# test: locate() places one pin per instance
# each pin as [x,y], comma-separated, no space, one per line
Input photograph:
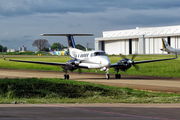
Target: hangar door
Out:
[124,47]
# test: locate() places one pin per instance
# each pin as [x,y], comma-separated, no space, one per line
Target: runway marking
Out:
[100,112]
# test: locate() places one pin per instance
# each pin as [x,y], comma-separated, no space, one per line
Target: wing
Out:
[63,65]
[146,61]
[37,62]
[121,65]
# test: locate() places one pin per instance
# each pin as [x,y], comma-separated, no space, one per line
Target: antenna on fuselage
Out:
[70,38]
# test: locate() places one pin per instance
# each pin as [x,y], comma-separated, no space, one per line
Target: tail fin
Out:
[71,42]
[165,44]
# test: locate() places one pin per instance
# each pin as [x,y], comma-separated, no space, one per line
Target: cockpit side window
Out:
[100,54]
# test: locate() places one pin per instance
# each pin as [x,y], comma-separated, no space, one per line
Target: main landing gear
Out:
[66,76]
[117,76]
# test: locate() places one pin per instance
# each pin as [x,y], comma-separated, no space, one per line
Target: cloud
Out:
[24,20]
[12,8]
[27,36]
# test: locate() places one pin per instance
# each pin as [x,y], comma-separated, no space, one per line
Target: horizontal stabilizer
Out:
[67,34]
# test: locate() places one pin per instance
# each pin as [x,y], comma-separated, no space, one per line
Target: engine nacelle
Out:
[126,64]
[69,67]
[76,62]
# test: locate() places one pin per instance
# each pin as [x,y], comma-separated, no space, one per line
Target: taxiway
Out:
[90,111]
[162,84]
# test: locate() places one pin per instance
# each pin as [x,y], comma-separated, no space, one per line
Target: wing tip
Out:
[176,55]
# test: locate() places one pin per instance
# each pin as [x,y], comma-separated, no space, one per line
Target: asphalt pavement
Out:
[90,111]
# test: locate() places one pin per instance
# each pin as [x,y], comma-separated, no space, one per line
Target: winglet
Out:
[176,55]
[4,57]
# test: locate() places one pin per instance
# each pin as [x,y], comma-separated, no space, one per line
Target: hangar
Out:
[139,40]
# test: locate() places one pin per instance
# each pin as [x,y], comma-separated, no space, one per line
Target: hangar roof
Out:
[140,32]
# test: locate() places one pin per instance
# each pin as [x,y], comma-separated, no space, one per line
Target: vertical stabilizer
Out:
[71,41]
[167,47]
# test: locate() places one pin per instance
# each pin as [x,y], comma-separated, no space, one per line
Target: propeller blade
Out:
[136,66]
[79,71]
[123,56]
[134,55]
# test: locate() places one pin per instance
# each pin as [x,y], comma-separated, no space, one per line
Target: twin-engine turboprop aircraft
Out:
[90,59]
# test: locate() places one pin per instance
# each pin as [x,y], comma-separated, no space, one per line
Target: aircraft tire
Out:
[116,76]
[67,77]
[119,76]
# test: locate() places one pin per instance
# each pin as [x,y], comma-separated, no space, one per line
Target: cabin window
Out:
[91,54]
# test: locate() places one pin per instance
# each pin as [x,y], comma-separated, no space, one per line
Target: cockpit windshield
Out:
[100,54]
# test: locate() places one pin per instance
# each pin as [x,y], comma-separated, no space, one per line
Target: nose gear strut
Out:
[107,73]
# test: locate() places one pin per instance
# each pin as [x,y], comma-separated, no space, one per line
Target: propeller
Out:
[130,61]
[79,71]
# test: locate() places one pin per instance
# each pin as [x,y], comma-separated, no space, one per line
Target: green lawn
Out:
[44,90]
[170,68]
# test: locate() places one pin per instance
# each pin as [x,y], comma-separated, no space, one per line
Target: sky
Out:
[22,21]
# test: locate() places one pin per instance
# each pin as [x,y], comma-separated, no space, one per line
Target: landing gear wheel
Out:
[67,77]
[118,76]
[107,76]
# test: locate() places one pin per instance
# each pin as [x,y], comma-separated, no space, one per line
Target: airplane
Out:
[90,59]
[168,48]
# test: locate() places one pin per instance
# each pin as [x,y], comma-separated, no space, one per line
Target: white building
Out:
[22,49]
[11,50]
[139,40]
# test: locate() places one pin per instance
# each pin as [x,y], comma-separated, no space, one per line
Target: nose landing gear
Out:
[107,74]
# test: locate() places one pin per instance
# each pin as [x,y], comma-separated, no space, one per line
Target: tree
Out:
[4,49]
[1,48]
[78,46]
[57,46]
[46,49]
[40,44]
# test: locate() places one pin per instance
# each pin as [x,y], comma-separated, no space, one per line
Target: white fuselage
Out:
[172,50]
[93,59]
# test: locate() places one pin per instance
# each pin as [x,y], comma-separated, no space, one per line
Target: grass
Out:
[44,90]
[170,68]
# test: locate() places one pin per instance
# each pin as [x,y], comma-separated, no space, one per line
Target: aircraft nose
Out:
[107,62]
